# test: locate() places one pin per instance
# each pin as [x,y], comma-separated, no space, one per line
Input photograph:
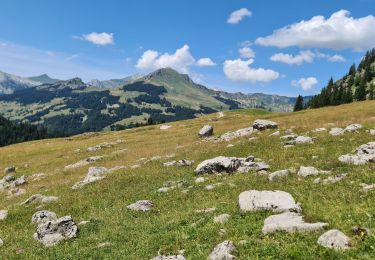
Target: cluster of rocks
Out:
[364,154]
[236,134]
[82,163]
[12,184]
[104,145]
[230,165]
[293,139]
[349,129]
[51,229]
[178,163]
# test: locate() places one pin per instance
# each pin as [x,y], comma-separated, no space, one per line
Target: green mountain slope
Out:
[44,79]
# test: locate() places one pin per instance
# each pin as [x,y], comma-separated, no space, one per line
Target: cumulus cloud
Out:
[181,60]
[303,56]
[98,38]
[205,62]
[305,83]
[240,70]
[246,53]
[238,15]
[339,31]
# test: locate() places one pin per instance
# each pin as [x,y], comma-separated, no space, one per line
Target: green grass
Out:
[168,227]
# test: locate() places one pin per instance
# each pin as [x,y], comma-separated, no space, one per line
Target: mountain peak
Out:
[44,79]
[168,74]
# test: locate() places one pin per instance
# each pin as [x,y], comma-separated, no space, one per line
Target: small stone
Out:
[372,132]
[230,145]
[221,219]
[11,169]
[199,180]
[334,239]
[360,231]
[1,242]
[318,130]
[278,174]
[43,216]
[83,222]
[206,131]
[307,171]
[336,131]
[170,257]
[367,188]
[104,244]
[3,214]
[141,205]
[223,251]
[207,210]
[39,198]
[165,127]
[277,133]
[353,128]
[334,179]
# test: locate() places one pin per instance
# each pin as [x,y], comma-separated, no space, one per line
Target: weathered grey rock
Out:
[42,216]
[299,140]
[39,198]
[11,169]
[277,133]
[3,214]
[307,171]
[213,186]
[334,179]
[236,134]
[353,128]
[289,137]
[82,163]
[278,174]
[180,163]
[221,219]
[170,257]
[364,154]
[38,176]
[372,132]
[261,166]
[367,188]
[94,174]
[289,222]
[334,239]
[277,201]
[206,131]
[261,124]
[336,131]
[218,165]
[318,130]
[207,210]
[141,205]
[165,127]
[14,192]
[101,146]
[223,251]
[20,181]
[50,233]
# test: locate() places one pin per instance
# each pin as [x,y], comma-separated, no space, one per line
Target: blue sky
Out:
[284,47]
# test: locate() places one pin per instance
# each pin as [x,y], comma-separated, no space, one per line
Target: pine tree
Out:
[371,92]
[352,70]
[299,104]
[360,92]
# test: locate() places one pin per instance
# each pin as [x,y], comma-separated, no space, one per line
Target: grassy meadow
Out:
[173,224]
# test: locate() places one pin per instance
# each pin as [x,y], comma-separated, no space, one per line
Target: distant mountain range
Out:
[72,106]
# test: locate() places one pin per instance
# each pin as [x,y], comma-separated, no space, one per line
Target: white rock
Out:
[334,179]
[318,130]
[261,124]
[43,216]
[353,128]
[39,198]
[372,132]
[3,214]
[278,174]
[94,174]
[165,127]
[206,131]
[304,139]
[289,222]
[367,188]
[223,251]
[170,257]
[221,219]
[307,171]
[199,180]
[334,239]
[141,205]
[1,242]
[336,131]
[218,164]
[364,154]
[277,201]
[236,134]
[207,210]
[277,133]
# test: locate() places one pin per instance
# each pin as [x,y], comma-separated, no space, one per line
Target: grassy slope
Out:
[169,226]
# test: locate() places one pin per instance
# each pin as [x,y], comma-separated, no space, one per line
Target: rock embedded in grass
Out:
[276,201]
[223,251]
[11,169]
[206,131]
[261,124]
[50,233]
[367,187]
[42,216]
[39,198]
[334,179]
[221,219]
[306,171]
[299,140]
[334,239]
[141,205]
[278,174]
[353,128]
[180,163]
[170,257]
[318,130]
[82,163]
[336,131]
[289,222]
[165,127]
[199,180]
[3,214]
[364,154]
[236,134]
[94,174]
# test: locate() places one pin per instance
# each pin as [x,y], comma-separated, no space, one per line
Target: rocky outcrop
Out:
[364,154]
[261,124]
[276,201]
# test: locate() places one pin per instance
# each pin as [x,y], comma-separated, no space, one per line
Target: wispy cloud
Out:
[100,39]
[237,16]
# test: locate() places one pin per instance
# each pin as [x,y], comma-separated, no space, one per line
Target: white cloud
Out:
[238,15]
[205,62]
[181,60]
[339,31]
[98,38]
[240,70]
[246,53]
[303,56]
[305,83]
